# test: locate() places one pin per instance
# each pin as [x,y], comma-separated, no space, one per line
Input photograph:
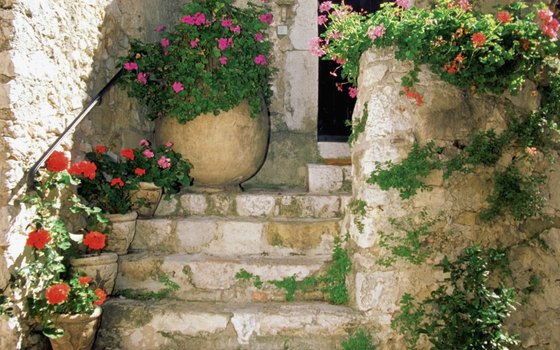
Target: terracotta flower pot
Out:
[146,199]
[224,150]
[102,268]
[122,232]
[79,331]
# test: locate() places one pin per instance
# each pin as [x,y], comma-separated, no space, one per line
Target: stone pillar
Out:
[447,116]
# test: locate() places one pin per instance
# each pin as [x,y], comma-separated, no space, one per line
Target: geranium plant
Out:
[481,52]
[62,225]
[160,165]
[215,57]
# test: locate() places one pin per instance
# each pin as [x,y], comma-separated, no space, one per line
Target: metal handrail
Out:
[96,101]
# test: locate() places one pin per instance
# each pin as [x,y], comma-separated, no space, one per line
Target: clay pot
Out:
[123,228]
[146,199]
[102,268]
[224,150]
[79,331]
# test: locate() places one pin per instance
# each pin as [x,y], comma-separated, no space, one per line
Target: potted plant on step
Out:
[155,170]
[201,83]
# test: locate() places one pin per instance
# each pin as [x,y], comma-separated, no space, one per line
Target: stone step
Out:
[211,278]
[176,324]
[323,178]
[255,204]
[236,236]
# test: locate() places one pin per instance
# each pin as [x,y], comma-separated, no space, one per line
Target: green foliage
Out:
[170,288]
[464,312]
[485,148]
[406,177]
[194,59]
[291,285]
[444,37]
[359,340]
[514,193]
[409,242]
[334,280]
[332,283]
[358,207]
[358,127]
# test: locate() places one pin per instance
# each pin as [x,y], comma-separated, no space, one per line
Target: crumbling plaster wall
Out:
[447,115]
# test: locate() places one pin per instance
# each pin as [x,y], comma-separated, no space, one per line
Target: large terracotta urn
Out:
[224,150]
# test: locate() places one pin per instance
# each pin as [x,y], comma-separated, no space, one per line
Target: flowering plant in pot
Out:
[215,57]
[161,166]
[44,285]
[201,83]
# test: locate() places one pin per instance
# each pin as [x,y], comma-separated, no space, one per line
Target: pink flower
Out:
[236,29]
[503,17]
[164,42]
[142,77]
[128,66]
[228,22]
[376,32]
[148,153]
[223,60]
[260,59]
[164,162]
[405,4]
[259,37]
[465,5]
[160,28]
[223,43]
[549,24]
[325,6]
[316,48]
[478,39]
[169,144]
[177,87]
[353,92]
[266,18]
[322,19]
[194,43]
[188,20]
[144,143]
[532,151]
[199,18]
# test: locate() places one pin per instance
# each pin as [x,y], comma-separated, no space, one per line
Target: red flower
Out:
[413,95]
[139,171]
[95,240]
[101,295]
[38,239]
[57,293]
[478,39]
[504,16]
[57,162]
[128,153]
[100,149]
[84,280]
[117,181]
[84,168]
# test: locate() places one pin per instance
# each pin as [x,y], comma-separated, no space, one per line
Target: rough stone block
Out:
[194,204]
[251,205]
[325,178]
[239,237]
[196,233]
[376,291]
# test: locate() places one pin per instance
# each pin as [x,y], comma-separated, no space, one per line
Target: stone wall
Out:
[55,56]
[447,116]
[293,111]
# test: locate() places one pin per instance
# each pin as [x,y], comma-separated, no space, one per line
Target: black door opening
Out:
[335,107]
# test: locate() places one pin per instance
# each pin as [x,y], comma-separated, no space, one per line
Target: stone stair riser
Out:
[255,205]
[202,278]
[223,236]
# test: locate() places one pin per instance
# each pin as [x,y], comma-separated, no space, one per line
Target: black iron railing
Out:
[96,101]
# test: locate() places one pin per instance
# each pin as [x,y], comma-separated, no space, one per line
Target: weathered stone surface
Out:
[327,178]
[205,326]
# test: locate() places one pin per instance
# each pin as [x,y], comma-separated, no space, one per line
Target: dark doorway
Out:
[335,107]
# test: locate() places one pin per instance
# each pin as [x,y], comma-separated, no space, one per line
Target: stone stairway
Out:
[197,243]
